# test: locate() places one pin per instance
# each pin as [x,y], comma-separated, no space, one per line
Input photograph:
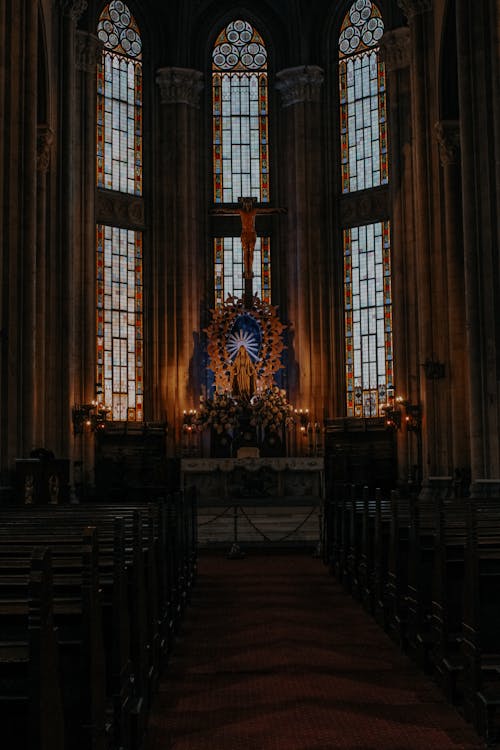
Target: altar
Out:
[255,501]
[262,477]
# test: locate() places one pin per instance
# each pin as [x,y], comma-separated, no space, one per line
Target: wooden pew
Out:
[345,536]
[356,509]
[157,560]
[481,619]
[77,616]
[421,550]
[366,567]
[106,617]
[447,600]
[341,531]
[31,711]
[397,577]
[381,547]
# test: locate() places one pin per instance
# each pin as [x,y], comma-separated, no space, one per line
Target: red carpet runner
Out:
[273,655]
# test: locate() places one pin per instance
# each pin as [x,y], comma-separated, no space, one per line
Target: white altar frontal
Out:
[257,501]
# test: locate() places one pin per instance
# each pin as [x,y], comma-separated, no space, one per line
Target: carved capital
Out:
[73,9]
[412,8]
[302,84]
[44,141]
[395,48]
[180,86]
[119,209]
[88,51]
[447,134]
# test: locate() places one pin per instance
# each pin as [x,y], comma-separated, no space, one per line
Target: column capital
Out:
[44,140]
[73,9]
[447,133]
[395,48]
[413,8]
[180,86]
[301,84]
[88,51]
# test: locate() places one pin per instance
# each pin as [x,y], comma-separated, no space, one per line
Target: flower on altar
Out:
[221,413]
[271,410]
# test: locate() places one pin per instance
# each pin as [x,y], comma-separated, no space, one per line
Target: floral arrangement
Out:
[271,410]
[221,412]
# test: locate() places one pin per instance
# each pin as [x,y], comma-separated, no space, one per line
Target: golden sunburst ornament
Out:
[247,339]
[257,328]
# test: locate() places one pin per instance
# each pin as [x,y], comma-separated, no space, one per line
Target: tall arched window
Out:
[119,249]
[240,149]
[367,254]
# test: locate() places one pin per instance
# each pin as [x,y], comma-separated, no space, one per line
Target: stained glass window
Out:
[240,115]
[119,250]
[368,319]
[120,322]
[229,269]
[362,84]
[240,149]
[119,101]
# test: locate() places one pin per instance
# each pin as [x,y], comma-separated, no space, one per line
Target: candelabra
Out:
[189,431]
[92,416]
[413,414]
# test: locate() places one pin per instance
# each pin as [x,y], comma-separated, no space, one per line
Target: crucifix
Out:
[248,210]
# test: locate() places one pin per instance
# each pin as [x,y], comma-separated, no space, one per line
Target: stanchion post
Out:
[235,553]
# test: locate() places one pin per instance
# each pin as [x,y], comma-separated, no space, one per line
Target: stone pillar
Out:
[18,178]
[69,355]
[448,137]
[181,254]
[27,247]
[306,302]
[88,51]
[395,52]
[428,338]
[45,139]
[478,75]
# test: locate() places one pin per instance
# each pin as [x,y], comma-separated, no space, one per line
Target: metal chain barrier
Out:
[281,539]
[215,518]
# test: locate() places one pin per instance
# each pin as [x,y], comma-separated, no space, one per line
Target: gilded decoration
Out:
[258,330]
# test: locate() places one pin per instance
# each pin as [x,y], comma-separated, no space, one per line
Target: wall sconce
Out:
[413,417]
[189,420]
[434,370]
[91,416]
[393,417]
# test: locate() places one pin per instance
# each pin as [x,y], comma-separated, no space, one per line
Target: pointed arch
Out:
[363,110]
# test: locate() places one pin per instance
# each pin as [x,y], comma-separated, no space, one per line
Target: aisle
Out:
[273,655]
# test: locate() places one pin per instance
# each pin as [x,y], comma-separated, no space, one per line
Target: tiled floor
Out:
[273,655]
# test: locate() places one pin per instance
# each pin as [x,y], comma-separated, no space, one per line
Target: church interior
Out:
[250,367]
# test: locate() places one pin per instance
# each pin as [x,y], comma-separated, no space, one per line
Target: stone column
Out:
[45,139]
[306,300]
[395,52]
[28,212]
[180,262]
[68,345]
[88,51]
[477,54]
[448,137]
[424,391]
[18,178]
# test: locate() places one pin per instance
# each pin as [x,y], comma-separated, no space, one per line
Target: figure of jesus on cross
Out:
[247,211]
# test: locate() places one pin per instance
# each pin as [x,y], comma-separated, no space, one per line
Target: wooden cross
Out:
[247,211]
